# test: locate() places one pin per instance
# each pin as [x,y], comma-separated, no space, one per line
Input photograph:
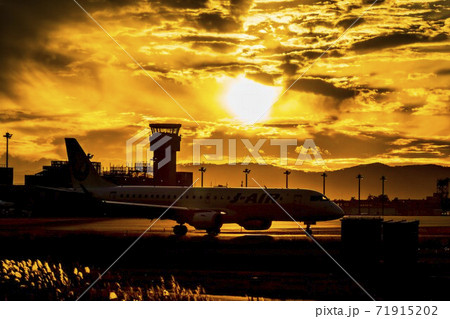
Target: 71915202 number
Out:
[407,310]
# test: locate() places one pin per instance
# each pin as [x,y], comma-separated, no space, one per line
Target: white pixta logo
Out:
[139,148]
[306,150]
[156,142]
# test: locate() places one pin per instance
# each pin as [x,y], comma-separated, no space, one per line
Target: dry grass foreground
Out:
[37,280]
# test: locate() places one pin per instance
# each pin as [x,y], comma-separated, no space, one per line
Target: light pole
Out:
[287,173]
[246,171]
[383,179]
[202,170]
[8,137]
[324,175]
[359,177]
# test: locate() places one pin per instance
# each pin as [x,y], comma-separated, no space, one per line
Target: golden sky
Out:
[379,94]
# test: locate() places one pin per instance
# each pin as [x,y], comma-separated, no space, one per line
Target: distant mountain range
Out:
[412,181]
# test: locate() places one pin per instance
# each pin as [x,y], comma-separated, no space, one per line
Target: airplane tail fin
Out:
[82,171]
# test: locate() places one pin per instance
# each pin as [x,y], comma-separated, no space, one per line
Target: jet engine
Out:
[206,220]
[256,224]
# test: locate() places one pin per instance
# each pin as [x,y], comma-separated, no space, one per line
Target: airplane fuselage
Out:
[236,204]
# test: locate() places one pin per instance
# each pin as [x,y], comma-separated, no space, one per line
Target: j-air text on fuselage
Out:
[204,208]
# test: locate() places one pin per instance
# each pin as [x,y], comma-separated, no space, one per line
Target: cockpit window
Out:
[317,198]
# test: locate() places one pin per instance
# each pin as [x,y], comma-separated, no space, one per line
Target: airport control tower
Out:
[165,143]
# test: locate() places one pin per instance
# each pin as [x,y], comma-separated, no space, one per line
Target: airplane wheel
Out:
[180,230]
[309,230]
[213,231]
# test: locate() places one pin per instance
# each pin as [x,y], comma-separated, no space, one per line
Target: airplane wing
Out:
[145,210]
[60,189]
[146,205]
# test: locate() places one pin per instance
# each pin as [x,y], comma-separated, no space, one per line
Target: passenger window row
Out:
[164,196]
[148,196]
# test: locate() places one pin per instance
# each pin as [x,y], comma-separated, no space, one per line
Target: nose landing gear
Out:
[308,229]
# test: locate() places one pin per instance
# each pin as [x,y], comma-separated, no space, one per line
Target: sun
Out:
[248,100]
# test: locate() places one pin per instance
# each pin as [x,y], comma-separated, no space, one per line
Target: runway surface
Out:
[280,263]
[121,226]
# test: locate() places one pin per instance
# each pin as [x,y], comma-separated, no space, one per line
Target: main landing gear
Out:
[213,231]
[180,230]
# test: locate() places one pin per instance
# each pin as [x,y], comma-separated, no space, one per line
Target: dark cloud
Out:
[262,77]
[443,72]
[6,117]
[282,125]
[289,54]
[394,40]
[312,55]
[370,144]
[183,4]
[319,86]
[156,69]
[25,26]
[205,38]
[239,8]
[435,48]
[50,59]
[340,145]
[380,90]
[218,21]
[409,108]
[378,94]
[289,68]
[387,41]
[318,21]
[26,32]
[222,47]
[102,4]
[220,44]
[437,10]
[280,5]
[226,66]
[423,151]
[328,120]
[369,2]
[350,21]
[426,144]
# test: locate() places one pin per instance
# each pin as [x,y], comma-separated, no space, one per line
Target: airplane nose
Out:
[340,211]
[337,211]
